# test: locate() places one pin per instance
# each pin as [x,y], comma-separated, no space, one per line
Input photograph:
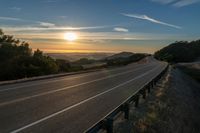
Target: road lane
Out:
[19,114]
[6,98]
[29,84]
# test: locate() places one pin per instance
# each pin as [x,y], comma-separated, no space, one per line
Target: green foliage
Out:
[179,52]
[64,65]
[84,61]
[125,60]
[18,61]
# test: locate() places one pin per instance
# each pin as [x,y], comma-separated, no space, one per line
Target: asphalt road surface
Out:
[70,104]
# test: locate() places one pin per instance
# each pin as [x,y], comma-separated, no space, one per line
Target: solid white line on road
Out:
[65,88]
[84,101]
[50,81]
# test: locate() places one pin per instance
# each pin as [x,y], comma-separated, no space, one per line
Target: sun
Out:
[70,36]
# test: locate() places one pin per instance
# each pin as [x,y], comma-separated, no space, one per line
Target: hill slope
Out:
[179,52]
[120,55]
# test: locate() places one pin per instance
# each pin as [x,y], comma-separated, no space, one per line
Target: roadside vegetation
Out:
[192,72]
[124,60]
[181,51]
[18,61]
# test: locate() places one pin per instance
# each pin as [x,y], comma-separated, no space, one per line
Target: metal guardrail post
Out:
[143,91]
[137,100]
[126,108]
[109,125]
[149,88]
[152,85]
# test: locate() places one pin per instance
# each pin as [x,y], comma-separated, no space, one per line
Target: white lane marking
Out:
[68,87]
[42,82]
[77,104]
[50,81]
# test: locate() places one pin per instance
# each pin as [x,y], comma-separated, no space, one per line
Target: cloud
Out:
[16,8]
[50,1]
[49,27]
[46,24]
[163,1]
[177,3]
[62,17]
[145,17]
[120,29]
[43,26]
[10,19]
[182,3]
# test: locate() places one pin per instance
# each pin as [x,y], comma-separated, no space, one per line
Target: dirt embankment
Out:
[173,107]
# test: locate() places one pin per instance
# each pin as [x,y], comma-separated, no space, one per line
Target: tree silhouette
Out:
[181,51]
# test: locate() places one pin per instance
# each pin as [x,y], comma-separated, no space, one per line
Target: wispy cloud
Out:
[182,3]
[11,19]
[49,28]
[50,1]
[62,17]
[145,17]
[46,24]
[163,1]
[16,8]
[120,29]
[43,24]
[177,3]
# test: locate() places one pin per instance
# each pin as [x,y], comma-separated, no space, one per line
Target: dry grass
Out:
[173,107]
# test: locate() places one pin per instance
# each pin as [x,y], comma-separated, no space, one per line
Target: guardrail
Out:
[106,123]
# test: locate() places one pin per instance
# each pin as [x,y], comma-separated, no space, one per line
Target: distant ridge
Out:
[78,56]
[120,55]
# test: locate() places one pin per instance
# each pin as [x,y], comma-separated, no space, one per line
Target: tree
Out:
[182,51]
[18,61]
[64,65]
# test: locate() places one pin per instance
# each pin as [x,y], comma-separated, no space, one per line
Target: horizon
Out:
[66,26]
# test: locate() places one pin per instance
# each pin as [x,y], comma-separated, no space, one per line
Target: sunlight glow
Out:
[70,36]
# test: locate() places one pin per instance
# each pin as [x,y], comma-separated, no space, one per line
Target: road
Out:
[70,104]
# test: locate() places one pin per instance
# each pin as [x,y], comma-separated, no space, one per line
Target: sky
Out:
[101,25]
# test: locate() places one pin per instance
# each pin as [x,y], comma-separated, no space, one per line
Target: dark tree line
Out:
[181,51]
[18,60]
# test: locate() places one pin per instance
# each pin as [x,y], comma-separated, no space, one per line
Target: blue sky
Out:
[101,25]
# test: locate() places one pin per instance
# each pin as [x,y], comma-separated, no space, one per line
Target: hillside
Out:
[182,51]
[124,58]
[78,56]
[120,55]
